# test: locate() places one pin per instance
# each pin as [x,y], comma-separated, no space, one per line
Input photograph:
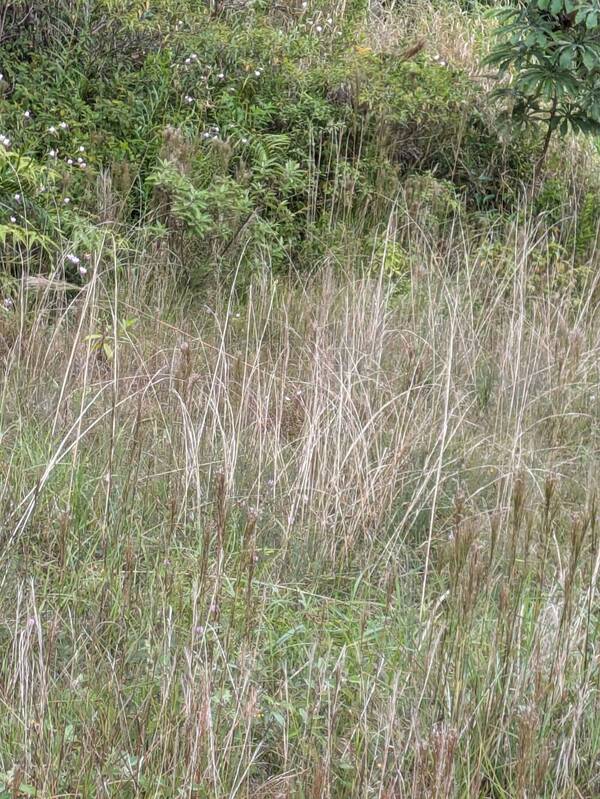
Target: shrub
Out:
[284,132]
[551,48]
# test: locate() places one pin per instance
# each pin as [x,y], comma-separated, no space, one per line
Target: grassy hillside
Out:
[299,402]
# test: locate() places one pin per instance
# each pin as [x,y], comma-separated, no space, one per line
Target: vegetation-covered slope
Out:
[266,129]
[299,400]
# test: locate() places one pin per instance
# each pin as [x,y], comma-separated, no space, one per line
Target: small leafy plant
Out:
[105,340]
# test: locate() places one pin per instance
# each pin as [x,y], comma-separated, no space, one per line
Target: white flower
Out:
[305,4]
[83,165]
[63,125]
[258,73]
[8,303]
[13,219]
[319,29]
[51,129]
[244,140]
[82,271]
[221,75]
[5,141]
[69,161]
[329,20]
[79,159]
[18,198]
[188,60]
[67,200]
[27,114]
[188,99]
[81,148]
[52,153]
[72,258]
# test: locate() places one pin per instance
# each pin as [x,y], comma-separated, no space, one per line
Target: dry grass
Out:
[449,32]
[340,540]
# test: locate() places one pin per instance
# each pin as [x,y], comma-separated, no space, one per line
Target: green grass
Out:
[307,551]
[299,442]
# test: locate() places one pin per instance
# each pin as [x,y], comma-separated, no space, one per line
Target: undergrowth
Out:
[299,407]
[340,540]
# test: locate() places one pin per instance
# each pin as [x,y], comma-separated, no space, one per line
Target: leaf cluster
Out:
[550,50]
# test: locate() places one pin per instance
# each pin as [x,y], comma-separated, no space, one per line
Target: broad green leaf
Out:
[567,58]
[589,59]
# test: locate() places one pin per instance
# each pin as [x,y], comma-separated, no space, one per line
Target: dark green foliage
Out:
[551,49]
[234,133]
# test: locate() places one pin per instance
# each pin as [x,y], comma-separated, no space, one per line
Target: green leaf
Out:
[590,60]
[278,718]
[567,57]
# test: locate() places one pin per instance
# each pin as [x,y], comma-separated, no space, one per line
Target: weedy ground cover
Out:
[299,406]
[338,541]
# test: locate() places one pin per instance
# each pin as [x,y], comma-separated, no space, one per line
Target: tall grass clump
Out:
[340,540]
